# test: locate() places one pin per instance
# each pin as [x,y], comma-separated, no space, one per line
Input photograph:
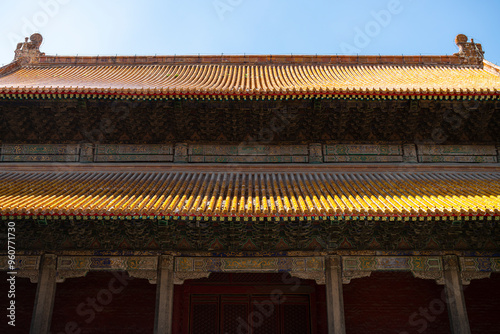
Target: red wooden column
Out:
[455,296]
[164,295]
[45,294]
[334,296]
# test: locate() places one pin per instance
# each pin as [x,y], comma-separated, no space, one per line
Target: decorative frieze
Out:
[302,267]
[363,158]
[22,262]
[457,153]
[36,149]
[453,159]
[106,149]
[107,263]
[137,153]
[244,153]
[79,266]
[85,153]
[486,264]
[429,267]
[249,159]
[40,153]
[456,150]
[362,153]
[313,268]
[25,266]
[368,149]
[247,150]
[212,150]
[392,263]
[478,268]
[134,158]
[249,264]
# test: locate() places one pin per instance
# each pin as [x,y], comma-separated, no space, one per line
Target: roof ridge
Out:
[450,64]
[470,55]
[257,60]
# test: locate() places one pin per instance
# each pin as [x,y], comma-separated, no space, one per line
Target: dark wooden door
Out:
[204,314]
[234,312]
[250,314]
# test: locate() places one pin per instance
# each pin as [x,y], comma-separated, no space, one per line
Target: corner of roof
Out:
[9,68]
[490,67]
[26,53]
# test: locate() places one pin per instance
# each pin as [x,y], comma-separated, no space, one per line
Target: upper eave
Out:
[461,76]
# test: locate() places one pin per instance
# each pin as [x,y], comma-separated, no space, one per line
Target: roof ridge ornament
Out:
[471,53]
[29,51]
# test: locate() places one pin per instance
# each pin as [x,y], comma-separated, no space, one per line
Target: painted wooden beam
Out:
[45,294]
[164,295]
[457,310]
[334,296]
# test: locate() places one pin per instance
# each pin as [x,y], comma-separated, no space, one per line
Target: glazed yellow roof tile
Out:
[249,194]
[254,80]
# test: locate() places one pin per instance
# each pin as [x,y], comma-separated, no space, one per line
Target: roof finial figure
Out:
[470,52]
[29,51]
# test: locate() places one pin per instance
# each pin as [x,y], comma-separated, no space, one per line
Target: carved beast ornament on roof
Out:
[470,52]
[29,51]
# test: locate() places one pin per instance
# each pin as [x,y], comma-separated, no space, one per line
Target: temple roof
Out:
[463,75]
[250,194]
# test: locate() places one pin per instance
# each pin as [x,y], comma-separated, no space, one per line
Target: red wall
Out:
[322,318]
[390,302]
[482,298]
[25,300]
[126,305]
[382,303]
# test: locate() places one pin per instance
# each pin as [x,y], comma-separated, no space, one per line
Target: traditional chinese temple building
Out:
[250,194]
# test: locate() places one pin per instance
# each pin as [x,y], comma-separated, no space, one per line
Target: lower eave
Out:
[251,194]
[261,218]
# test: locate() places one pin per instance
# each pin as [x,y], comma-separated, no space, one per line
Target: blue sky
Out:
[126,27]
